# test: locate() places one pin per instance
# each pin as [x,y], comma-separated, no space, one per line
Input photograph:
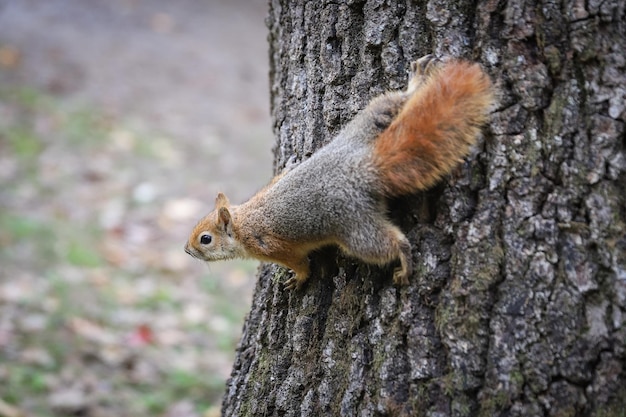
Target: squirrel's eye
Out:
[205,239]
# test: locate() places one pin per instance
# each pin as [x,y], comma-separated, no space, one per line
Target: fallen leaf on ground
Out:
[91,331]
[141,336]
[7,410]
[9,57]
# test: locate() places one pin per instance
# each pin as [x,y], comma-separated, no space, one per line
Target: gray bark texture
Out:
[517,306]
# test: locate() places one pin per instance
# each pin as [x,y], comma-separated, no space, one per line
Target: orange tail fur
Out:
[434,130]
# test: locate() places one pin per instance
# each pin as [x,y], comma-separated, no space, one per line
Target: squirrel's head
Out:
[213,239]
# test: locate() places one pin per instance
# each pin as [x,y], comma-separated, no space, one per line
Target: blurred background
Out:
[119,122]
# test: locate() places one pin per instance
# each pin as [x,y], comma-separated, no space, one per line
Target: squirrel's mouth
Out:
[195,253]
[192,252]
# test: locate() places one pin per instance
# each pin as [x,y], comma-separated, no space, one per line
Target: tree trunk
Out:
[517,306]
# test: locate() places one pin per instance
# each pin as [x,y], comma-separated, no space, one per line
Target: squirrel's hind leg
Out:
[421,70]
[382,110]
[381,244]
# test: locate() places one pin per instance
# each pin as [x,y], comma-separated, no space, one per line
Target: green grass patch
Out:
[23,142]
[26,98]
[154,402]
[161,297]
[80,255]
[23,380]
[14,227]
[84,127]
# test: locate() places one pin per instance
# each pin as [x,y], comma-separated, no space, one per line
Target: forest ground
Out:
[119,122]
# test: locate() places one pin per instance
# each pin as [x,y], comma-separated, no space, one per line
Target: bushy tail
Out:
[434,130]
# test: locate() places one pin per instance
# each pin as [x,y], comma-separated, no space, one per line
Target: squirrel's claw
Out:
[400,276]
[294,283]
[420,70]
[424,65]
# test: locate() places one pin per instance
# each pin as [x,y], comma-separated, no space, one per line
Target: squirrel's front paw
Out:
[295,283]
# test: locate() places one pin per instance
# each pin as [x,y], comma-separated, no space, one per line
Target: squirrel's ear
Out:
[221,200]
[224,220]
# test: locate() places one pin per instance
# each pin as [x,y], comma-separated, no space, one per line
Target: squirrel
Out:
[401,143]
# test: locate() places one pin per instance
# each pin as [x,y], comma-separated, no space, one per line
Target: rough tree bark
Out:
[518,303]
